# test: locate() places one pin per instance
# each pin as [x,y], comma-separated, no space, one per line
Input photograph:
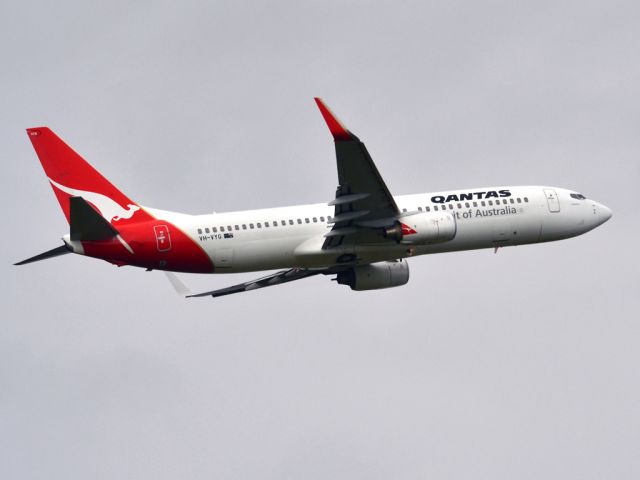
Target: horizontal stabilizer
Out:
[56,252]
[86,223]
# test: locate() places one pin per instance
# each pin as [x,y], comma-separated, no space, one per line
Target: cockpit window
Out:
[577,196]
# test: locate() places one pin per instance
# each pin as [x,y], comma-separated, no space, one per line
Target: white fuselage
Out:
[288,237]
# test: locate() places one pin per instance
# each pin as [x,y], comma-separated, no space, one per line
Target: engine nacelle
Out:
[423,228]
[376,275]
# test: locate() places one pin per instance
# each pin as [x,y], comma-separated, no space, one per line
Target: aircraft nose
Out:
[604,213]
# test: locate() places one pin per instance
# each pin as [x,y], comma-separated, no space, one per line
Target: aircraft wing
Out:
[277,278]
[362,198]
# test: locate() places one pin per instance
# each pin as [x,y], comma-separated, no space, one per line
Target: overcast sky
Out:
[519,365]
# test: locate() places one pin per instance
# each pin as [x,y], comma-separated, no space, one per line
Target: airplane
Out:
[363,236]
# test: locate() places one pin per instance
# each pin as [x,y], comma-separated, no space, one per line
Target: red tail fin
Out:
[71,176]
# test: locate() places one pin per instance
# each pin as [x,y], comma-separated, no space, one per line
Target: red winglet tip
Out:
[339,132]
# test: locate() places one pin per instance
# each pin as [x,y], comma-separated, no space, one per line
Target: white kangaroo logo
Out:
[109,209]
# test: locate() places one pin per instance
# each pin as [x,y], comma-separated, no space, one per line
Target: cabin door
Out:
[552,200]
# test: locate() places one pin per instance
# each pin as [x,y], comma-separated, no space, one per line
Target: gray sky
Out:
[520,365]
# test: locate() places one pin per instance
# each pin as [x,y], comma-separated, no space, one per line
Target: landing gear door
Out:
[552,199]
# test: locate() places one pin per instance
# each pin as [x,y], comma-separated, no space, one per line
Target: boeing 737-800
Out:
[364,235]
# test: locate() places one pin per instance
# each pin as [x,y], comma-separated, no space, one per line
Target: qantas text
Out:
[470,196]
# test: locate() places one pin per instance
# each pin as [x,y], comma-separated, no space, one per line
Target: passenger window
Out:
[300,221]
[200,231]
[283,223]
[404,210]
[329,218]
[504,201]
[427,209]
[222,229]
[526,200]
[229,227]
[420,208]
[237,227]
[306,220]
[435,208]
[451,206]
[266,224]
[322,219]
[511,200]
[259,225]
[490,202]
[459,205]
[315,219]
[244,226]
[467,204]
[518,200]
[275,224]
[475,204]
[206,230]
[251,226]
[482,203]
[214,230]
[290,222]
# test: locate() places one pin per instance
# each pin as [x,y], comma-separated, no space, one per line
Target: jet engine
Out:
[423,228]
[376,275]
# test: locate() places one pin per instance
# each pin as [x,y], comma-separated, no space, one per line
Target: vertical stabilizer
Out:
[71,176]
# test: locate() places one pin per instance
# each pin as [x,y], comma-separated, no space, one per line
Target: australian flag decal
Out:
[228,235]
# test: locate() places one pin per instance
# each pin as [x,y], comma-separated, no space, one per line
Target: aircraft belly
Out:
[263,254]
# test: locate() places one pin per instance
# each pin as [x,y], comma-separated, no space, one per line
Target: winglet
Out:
[337,129]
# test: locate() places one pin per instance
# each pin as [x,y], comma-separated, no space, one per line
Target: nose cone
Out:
[604,213]
[601,214]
